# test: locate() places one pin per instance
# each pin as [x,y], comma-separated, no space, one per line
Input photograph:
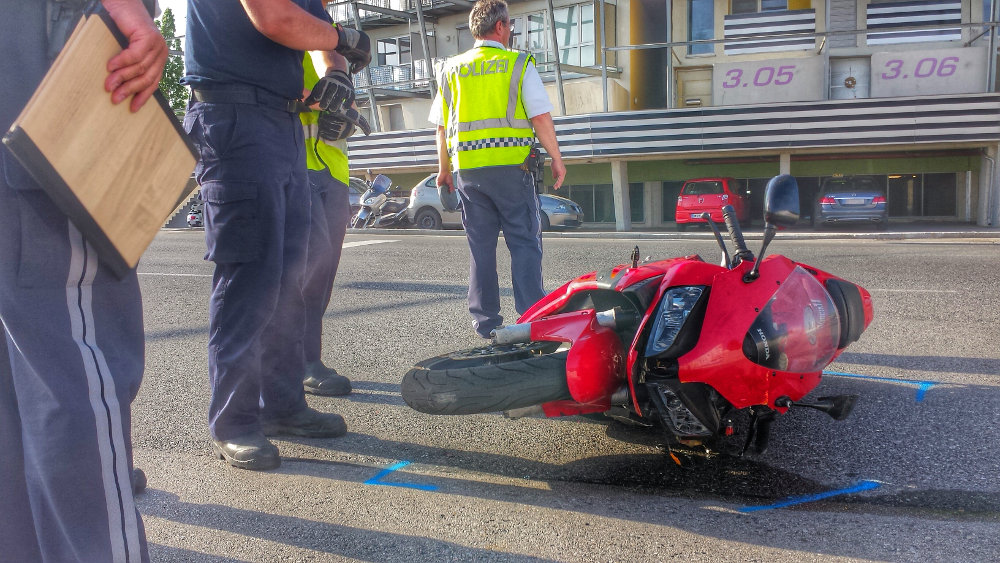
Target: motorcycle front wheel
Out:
[487,379]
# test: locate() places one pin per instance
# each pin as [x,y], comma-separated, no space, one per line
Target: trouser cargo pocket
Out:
[231,218]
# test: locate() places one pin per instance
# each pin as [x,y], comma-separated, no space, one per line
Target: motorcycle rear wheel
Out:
[487,379]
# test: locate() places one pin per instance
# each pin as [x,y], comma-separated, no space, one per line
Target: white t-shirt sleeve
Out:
[437,111]
[533,96]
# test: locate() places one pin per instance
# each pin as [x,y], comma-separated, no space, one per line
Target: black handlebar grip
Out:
[735,233]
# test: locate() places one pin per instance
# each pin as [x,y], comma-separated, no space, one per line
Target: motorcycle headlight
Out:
[671,313]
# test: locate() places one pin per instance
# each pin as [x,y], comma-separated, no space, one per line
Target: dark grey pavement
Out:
[911,475]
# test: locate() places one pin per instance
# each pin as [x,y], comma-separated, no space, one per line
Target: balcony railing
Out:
[344,11]
[393,77]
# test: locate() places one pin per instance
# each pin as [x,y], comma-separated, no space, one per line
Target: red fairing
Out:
[623,276]
[718,358]
[595,364]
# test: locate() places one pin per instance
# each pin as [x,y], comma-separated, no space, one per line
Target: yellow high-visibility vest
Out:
[319,153]
[485,121]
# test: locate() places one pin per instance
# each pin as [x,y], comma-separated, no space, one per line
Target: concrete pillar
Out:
[785,163]
[988,207]
[619,187]
[654,201]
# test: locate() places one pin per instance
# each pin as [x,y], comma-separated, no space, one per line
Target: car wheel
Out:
[427,218]
[546,224]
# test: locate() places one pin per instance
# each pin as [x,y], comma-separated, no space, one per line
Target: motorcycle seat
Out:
[850,307]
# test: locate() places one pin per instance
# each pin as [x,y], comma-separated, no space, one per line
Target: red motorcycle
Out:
[710,353]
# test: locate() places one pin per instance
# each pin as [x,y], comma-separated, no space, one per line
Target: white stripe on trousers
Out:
[123,529]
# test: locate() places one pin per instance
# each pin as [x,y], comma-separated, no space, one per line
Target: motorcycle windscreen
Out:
[798,330]
[381,184]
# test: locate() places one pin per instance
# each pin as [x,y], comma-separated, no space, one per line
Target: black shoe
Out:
[252,451]
[309,423]
[321,380]
[138,481]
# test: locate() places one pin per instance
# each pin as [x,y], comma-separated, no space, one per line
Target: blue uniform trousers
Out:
[493,199]
[71,357]
[331,211]
[253,181]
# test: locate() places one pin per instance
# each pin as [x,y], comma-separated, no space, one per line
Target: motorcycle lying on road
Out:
[378,209]
[711,354]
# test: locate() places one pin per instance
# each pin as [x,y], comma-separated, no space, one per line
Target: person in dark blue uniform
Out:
[72,349]
[244,66]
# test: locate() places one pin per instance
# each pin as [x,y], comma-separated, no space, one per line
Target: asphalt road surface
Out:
[912,475]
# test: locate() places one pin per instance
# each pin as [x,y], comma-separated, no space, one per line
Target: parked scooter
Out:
[378,209]
[711,354]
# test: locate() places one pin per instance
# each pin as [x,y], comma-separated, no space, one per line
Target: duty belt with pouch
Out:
[535,164]
[61,17]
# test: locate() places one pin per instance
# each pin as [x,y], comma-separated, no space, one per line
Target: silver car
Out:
[426,212]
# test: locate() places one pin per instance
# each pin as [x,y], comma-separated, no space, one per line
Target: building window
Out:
[637,202]
[597,201]
[701,25]
[754,6]
[575,31]
[394,51]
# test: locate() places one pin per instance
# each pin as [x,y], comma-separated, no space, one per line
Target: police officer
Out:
[488,102]
[244,66]
[72,357]
[329,176]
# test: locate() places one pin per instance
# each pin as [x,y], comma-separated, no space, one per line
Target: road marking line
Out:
[365,242]
[922,386]
[377,480]
[862,486]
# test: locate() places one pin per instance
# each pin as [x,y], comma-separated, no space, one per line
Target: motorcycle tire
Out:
[487,379]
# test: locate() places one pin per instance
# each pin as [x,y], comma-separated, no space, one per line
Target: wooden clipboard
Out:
[117,175]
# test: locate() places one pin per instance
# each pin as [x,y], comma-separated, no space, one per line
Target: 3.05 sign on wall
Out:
[775,80]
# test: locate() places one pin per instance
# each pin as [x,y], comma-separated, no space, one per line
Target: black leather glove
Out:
[333,92]
[334,126]
[355,46]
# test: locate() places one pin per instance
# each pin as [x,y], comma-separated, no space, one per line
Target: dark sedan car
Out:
[851,199]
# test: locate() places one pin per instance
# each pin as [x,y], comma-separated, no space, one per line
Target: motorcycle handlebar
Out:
[736,234]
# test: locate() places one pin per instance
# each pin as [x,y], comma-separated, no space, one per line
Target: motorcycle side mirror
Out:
[781,201]
[781,208]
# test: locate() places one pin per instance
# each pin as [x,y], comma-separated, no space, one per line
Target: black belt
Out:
[247,95]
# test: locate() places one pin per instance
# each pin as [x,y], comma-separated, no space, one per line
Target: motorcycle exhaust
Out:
[512,334]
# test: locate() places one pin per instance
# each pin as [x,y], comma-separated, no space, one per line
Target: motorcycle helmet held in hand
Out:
[449,198]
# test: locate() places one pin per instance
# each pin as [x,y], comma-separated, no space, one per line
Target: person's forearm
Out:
[335,61]
[545,130]
[442,150]
[285,23]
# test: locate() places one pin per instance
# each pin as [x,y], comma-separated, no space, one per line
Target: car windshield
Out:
[703,188]
[798,330]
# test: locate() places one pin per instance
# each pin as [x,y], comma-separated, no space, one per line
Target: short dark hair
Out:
[485,15]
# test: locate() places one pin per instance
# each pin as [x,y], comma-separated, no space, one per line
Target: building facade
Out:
[649,94]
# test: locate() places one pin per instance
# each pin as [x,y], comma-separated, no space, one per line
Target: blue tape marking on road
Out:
[922,386]
[862,486]
[377,480]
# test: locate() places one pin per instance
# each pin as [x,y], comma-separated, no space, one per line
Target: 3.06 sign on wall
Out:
[775,80]
[919,73]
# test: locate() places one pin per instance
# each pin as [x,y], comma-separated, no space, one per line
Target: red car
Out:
[711,194]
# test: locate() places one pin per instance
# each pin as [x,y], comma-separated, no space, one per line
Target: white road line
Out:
[346,245]
[365,242]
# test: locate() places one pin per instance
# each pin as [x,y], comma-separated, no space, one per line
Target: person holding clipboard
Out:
[73,343]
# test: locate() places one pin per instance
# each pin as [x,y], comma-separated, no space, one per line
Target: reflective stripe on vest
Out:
[486,126]
[319,153]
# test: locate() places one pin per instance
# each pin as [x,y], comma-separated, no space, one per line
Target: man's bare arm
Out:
[444,166]
[545,130]
[286,23]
